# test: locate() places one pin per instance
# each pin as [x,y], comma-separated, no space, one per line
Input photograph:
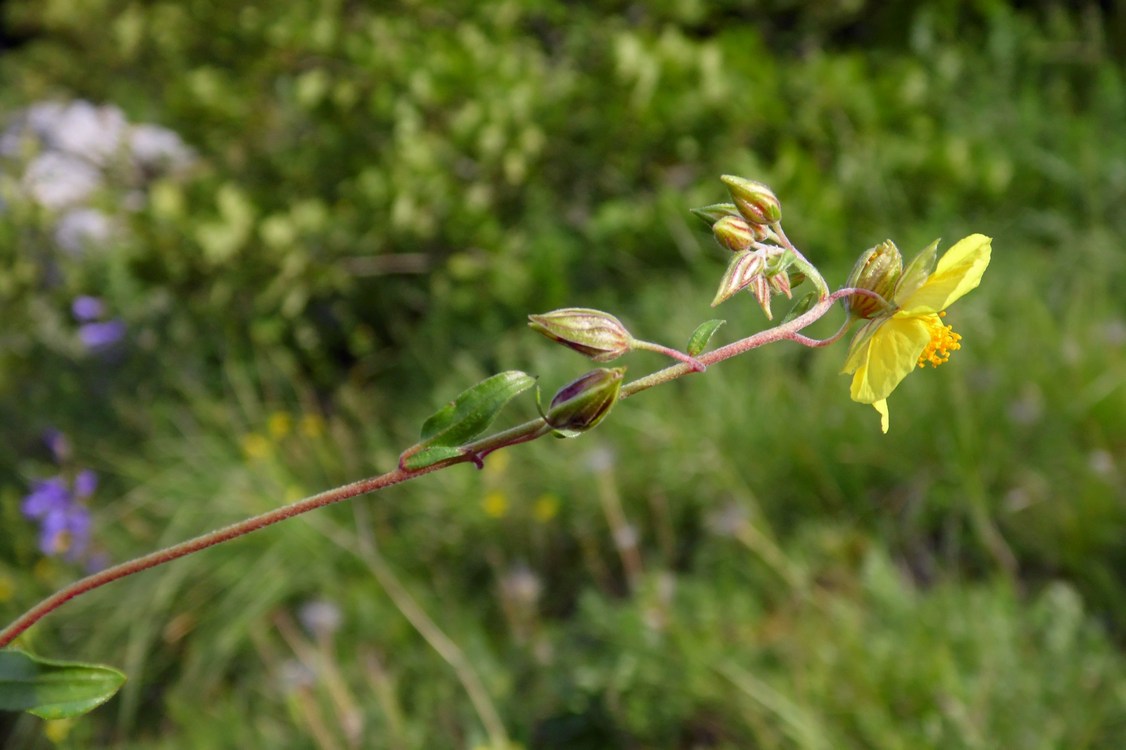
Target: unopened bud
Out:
[583,403]
[592,333]
[780,282]
[741,271]
[755,201]
[878,269]
[734,233]
[760,290]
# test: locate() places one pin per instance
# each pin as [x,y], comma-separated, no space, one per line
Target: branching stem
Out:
[473,452]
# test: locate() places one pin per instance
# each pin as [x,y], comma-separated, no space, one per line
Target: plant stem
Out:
[784,332]
[802,263]
[210,539]
[472,452]
[687,359]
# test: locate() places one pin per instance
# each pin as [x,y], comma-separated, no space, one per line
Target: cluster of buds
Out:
[750,228]
[597,335]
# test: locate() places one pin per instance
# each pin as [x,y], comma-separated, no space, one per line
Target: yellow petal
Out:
[882,407]
[891,354]
[957,272]
[858,347]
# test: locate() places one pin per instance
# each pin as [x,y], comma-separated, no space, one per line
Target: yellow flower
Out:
[58,729]
[911,333]
[255,446]
[546,508]
[495,504]
[312,425]
[279,424]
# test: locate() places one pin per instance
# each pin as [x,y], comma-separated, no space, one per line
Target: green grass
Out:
[739,559]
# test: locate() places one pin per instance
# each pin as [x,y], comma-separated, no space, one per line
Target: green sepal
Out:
[915,274]
[702,335]
[801,307]
[52,689]
[713,213]
[471,413]
[430,456]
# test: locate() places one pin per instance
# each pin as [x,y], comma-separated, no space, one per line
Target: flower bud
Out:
[583,403]
[760,290]
[755,201]
[734,233]
[741,271]
[780,282]
[878,269]
[593,333]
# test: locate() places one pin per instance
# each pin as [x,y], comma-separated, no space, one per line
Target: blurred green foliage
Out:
[382,191]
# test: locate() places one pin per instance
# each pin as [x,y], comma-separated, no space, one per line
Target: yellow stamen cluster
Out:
[943,342]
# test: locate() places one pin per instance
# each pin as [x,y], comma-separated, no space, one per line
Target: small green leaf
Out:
[474,410]
[53,689]
[801,307]
[702,335]
[430,456]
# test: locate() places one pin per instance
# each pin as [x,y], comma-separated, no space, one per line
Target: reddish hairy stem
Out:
[101,578]
[474,452]
[783,332]
[688,359]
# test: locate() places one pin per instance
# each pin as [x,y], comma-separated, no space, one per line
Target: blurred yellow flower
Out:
[497,464]
[312,425]
[911,333]
[279,424]
[255,446]
[495,504]
[546,508]
[45,569]
[58,729]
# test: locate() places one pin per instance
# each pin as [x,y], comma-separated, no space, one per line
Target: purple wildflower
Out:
[47,496]
[65,532]
[64,520]
[85,482]
[87,308]
[59,445]
[102,335]
[94,332]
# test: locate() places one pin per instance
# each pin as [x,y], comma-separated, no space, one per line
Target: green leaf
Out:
[53,689]
[702,335]
[430,456]
[801,307]
[474,410]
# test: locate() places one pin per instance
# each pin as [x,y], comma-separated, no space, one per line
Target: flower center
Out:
[943,341]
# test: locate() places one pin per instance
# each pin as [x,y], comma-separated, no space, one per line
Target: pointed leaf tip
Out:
[52,689]
[702,335]
[471,413]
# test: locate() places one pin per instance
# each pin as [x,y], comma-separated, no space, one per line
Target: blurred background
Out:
[246,248]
